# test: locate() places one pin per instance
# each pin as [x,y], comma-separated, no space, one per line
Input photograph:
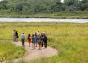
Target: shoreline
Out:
[44,16]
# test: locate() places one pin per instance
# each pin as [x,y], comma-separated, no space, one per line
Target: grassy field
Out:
[10,51]
[70,39]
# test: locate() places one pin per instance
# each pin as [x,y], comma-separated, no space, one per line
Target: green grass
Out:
[10,51]
[63,14]
[70,39]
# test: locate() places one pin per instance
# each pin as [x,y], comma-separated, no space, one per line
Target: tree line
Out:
[42,6]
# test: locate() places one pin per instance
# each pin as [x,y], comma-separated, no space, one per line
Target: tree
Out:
[72,4]
[3,5]
[83,5]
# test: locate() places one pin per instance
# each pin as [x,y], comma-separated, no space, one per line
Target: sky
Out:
[62,0]
[0,0]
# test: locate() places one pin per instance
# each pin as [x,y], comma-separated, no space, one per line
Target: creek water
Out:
[42,20]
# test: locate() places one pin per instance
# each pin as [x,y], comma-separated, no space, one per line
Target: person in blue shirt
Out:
[36,39]
[33,41]
[39,41]
[23,39]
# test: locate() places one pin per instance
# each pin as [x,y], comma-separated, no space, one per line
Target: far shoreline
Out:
[44,16]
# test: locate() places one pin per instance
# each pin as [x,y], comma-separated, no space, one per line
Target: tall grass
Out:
[9,51]
[70,39]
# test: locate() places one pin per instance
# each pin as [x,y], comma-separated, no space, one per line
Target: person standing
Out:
[33,41]
[42,37]
[14,35]
[23,39]
[38,33]
[39,41]
[29,39]
[45,41]
[17,36]
[36,39]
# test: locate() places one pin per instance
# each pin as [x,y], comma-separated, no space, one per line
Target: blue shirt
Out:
[22,36]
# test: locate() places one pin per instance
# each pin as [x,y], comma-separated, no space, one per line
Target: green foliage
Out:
[84,7]
[9,51]
[41,6]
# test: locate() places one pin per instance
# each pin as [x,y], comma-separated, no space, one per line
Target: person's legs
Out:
[22,42]
[14,38]
[42,43]
[46,44]
[39,45]
[34,45]
[29,44]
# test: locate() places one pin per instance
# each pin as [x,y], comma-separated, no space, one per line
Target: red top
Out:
[29,40]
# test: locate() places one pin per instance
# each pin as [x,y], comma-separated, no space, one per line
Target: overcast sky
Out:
[0,0]
[62,0]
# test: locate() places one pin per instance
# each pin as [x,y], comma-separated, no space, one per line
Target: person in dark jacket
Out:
[42,38]
[45,41]
[17,36]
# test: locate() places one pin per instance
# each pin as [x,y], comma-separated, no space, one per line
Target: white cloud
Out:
[62,0]
[0,0]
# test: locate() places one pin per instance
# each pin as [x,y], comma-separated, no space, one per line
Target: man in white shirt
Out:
[38,33]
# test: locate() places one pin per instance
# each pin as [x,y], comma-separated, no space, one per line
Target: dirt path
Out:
[35,53]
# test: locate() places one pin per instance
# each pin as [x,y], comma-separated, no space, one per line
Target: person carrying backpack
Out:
[23,39]
[17,36]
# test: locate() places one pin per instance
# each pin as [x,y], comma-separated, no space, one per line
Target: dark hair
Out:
[29,35]
[32,35]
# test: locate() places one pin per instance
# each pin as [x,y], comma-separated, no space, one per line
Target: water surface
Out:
[42,20]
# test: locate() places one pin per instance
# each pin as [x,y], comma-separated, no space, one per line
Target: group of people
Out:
[35,39]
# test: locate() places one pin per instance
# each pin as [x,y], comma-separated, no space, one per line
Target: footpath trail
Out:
[35,53]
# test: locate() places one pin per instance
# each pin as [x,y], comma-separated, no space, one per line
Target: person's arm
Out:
[24,36]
